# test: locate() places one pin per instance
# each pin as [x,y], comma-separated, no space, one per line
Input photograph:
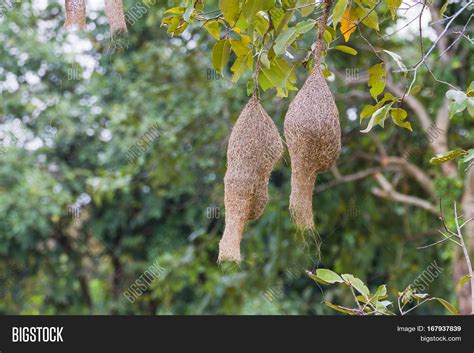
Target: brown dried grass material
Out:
[313,136]
[254,148]
[75,14]
[115,16]
[260,201]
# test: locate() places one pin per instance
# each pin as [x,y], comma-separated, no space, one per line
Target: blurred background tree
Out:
[79,223]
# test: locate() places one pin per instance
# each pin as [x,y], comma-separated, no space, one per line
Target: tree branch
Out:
[417,173]
[348,178]
[388,192]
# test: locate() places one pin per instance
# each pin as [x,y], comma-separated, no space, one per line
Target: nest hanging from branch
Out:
[313,135]
[115,16]
[75,14]
[254,148]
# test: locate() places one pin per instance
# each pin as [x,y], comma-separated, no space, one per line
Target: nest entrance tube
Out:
[115,16]
[254,148]
[301,200]
[75,14]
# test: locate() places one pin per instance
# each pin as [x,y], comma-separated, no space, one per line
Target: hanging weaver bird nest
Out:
[254,148]
[75,14]
[115,15]
[313,135]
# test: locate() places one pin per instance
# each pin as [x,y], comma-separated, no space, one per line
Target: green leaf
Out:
[415,90]
[265,84]
[251,8]
[378,117]
[470,106]
[189,11]
[332,31]
[220,55]
[317,279]
[230,10]
[264,59]
[250,87]
[463,281]
[398,117]
[448,156]
[284,40]
[214,29]
[284,69]
[382,305]
[420,296]
[307,10]
[275,81]
[166,21]
[367,112]
[277,15]
[393,6]
[278,76]
[363,299]
[470,99]
[458,102]
[244,56]
[327,37]
[175,24]
[238,68]
[346,49]
[338,11]
[328,276]
[261,24]
[469,157]
[451,308]
[176,10]
[398,60]
[470,90]
[407,295]
[240,47]
[372,19]
[341,309]
[376,82]
[443,9]
[381,291]
[305,26]
[356,283]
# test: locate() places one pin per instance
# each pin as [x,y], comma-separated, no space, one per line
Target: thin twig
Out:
[428,53]
[416,306]
[436,243]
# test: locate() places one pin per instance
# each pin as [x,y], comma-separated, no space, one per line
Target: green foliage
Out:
[267,38]
[375,303]
[468,158]
[384,108]
[463,281]
[459,101]
[339,9]
[325,276]
[346,49]
[393,6]
[376,82]
[448,156]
